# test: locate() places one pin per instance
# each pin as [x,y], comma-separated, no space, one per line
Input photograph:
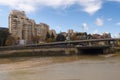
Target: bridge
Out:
[91,46]
[89,42]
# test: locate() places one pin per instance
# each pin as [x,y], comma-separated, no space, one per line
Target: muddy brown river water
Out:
[102,67]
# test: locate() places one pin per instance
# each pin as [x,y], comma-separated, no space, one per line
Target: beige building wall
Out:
[42,30]
[16,23]
[21,27]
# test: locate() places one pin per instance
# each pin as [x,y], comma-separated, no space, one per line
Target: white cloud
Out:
[85,26]
[89,6]
[109,19]
[118,24]
[26,5]
[99,22]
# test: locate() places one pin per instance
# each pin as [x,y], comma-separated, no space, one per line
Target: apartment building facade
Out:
[24,29]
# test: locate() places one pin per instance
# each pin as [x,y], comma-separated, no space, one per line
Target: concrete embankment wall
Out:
[115,49]
[39,52]
[52,51]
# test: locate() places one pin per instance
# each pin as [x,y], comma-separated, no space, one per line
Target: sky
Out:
[91,16]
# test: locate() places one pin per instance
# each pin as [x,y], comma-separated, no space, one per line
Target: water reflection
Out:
[61,68]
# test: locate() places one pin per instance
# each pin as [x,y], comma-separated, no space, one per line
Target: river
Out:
[102,67]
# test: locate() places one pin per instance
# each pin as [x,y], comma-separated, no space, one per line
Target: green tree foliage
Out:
[3,36]
[53,37]
[60,37]
[50,38]
[47,36]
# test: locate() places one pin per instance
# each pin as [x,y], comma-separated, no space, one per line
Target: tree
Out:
[4,34]
[60,37]
[50,40]
[47,36]
[52,36]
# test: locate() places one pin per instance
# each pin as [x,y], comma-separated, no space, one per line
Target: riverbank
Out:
[52,52]
[28,61]
[39,52]
[19,65]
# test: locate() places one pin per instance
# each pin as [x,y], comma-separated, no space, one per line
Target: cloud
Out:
[26,5]
[85,26]
[89,6]
[99,22]
[118,24]
[109,19]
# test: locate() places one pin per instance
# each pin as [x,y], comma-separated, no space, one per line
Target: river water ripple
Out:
[61,68]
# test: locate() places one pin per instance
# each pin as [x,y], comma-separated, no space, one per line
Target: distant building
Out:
[82,35]
[102,36]
[96,36]
[71,31]
[64,34]
[24,29]
[42,30]
[106,35]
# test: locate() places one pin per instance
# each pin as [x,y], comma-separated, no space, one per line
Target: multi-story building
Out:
[20,26]
[24,29]
[42,30]
[70,31]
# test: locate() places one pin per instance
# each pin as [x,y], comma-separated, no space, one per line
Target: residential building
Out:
[20,26]
[42,30]
[24,29]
